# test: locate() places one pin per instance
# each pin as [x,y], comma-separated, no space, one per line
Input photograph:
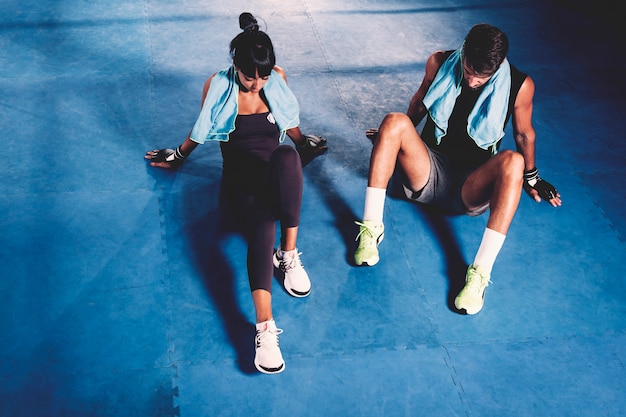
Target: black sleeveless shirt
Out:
[457,145]
[248,149]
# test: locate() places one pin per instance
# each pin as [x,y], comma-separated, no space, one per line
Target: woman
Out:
[249,108]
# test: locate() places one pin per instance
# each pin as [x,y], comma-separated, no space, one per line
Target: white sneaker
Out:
[268,358]
[296,281]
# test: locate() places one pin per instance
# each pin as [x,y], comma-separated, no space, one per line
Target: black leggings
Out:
[279,198]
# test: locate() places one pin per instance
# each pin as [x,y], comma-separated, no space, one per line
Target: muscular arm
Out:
[417,111]
[524,134]
[523,130]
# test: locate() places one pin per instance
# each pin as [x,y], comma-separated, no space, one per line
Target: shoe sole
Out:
[470,312]
[297,294]
[269,371]
[368,262]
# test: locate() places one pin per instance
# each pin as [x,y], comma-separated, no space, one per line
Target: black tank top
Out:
[248,149]
[457,145]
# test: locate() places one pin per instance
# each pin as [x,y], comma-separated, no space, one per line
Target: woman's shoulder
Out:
[280,72]
[222,75]
[207,85]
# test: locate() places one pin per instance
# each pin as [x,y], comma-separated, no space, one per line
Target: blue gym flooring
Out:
[121,296]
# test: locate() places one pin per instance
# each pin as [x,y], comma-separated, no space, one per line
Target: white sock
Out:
[489,248]
[374,204]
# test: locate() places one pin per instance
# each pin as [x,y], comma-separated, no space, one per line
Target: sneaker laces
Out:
[287,264]
[477,281]
[365,231]
[267,337]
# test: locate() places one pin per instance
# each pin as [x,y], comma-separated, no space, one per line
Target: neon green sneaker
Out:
[472,296]
[370,235]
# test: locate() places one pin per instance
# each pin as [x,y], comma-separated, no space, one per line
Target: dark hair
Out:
[252,50]
[485,48]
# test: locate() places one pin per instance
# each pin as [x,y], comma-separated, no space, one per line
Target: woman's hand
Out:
[164,158]
[313,147]
[372,133]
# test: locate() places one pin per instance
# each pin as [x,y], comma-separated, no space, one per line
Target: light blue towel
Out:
[219,110]
[486,120]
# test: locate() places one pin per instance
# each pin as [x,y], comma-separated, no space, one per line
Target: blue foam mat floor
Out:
[121,296]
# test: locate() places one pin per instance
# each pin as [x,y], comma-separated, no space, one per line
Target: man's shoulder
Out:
[436,60]
[441,55]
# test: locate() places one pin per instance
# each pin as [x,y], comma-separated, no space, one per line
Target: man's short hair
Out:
[485,48]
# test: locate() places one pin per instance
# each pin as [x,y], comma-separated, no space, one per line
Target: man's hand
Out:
[538,189]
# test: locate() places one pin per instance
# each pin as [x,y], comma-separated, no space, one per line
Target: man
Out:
[468,95]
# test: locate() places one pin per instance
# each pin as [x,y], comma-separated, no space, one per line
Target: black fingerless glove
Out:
[312,141]
[313,146]
[174,156]
[544,188]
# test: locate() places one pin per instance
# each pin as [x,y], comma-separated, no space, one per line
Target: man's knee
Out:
[396,120]
[512,164]
[393,126]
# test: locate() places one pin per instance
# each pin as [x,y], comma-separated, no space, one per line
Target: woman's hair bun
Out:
[248,23]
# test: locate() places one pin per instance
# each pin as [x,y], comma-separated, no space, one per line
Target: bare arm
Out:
[188,145]
[416,110]
[298,138]
[524,134]
[294,133]
[523,130]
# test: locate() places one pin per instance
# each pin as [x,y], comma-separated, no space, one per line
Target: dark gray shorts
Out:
[443,189]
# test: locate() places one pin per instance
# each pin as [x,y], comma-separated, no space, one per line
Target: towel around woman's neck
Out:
[219,110]
[485,124]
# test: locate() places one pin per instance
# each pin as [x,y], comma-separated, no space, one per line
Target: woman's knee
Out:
[285,155]
[285,164]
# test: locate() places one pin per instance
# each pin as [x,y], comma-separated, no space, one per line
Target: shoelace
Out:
[364,229]
[291,263]
[268,337]
[477,281]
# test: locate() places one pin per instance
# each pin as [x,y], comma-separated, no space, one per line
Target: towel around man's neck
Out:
[485,124]
[219,110]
